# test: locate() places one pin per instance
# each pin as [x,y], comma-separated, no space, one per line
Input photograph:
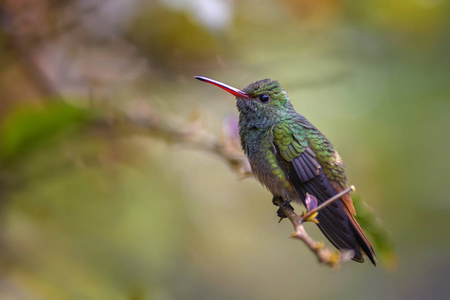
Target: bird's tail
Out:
[361,237]
[347,235]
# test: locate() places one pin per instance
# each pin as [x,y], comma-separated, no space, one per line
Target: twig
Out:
[192,134]
[22,46]
[326,203]
[324,255]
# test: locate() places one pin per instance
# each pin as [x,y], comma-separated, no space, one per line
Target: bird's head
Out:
[264,99]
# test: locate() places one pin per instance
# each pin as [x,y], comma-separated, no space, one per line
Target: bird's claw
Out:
[276,200]
[280,211]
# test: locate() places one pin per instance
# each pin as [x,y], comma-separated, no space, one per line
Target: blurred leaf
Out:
[381,237]
[25,128]
[176,42]
[416,18]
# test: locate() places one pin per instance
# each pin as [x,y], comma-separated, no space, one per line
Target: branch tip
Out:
[326,256]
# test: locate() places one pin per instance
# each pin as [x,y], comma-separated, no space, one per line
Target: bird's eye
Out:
[264,98]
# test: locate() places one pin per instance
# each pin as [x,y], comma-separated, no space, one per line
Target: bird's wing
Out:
[307,176]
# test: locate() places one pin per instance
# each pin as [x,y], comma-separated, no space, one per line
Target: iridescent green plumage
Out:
[291,158]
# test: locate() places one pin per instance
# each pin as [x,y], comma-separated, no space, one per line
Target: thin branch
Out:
[24,53]
[326,256]
[192,134]
[309,213]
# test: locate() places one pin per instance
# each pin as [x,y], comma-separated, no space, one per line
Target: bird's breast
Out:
[265,165]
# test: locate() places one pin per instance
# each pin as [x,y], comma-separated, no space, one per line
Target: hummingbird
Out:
[292,158]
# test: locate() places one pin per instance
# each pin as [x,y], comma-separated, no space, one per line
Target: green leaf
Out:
[23,129]
[381,238]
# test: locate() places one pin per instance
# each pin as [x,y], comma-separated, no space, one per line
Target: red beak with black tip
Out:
[234,91]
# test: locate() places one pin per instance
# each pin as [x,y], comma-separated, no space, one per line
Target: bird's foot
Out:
[276,200]
[280,211]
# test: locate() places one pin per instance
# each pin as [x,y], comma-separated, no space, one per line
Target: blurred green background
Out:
[94,209]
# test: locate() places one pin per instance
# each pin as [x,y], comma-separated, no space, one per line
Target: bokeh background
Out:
[93,207]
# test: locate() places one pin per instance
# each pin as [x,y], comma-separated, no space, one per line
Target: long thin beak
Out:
[234,91]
